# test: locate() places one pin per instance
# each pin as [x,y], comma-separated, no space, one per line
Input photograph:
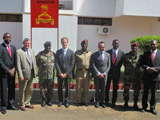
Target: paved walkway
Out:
[80,113]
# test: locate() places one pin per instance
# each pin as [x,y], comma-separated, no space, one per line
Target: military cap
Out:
[48,43]
[83,41]
[135,44]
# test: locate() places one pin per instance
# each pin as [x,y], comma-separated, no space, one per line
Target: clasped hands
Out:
[63,75]
[11,72]
[102,75]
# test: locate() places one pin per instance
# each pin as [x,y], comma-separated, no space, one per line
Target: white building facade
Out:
[83,19]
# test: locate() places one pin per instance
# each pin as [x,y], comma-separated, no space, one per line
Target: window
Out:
[10,18]
[95,21]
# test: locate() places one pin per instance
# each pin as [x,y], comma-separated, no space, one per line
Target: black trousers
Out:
[152,85]
[115,88]
[66,82]
[7,82]
[100,85]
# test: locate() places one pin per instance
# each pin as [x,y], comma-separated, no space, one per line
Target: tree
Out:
[144,41]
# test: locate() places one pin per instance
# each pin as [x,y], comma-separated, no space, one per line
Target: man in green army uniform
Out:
[82,63]
[46,64]
[132,75]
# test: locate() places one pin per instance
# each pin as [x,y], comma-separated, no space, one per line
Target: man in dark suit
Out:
[65,60]
[7,76]
[151,64]
[100,62]
[116,56]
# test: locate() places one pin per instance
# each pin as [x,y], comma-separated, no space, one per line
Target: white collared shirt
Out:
[154,52]
[7,45]
[65,51]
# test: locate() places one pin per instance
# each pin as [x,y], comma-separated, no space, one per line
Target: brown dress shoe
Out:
[30,106]
[23,108]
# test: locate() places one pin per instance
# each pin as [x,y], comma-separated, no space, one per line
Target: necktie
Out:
[114,57]
[64,54]
[152,56]
[102,60]
[30,58]
[9,50]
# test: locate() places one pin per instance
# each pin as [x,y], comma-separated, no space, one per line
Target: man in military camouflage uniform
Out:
[46,64]
[82,62]
[132,75]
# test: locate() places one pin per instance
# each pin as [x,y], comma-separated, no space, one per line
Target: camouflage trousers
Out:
[136,86]
[46,88]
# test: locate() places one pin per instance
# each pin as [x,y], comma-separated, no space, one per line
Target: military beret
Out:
[83,41]
[48,43]
[135,44]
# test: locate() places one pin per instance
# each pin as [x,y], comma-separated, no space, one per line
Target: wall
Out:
[155,26]
[96,8]
[67,28]
[15,29]
[142,7]
[11,6]
[124,28]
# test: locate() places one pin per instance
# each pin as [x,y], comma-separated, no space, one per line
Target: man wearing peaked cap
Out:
[46,64]
[48,43]
[132,75]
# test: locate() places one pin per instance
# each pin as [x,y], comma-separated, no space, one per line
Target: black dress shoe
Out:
[103,105]
[143,110]
[67,105]
[154,111]
[78,104]
[136,107]
[106,104]
[12,108]
[113,105]
[49,103]
[97,105]
[85,104]
[43,103]
[3,110]
[60,104]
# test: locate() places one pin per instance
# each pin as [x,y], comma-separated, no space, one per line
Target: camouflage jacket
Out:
[46,64]
[131,64]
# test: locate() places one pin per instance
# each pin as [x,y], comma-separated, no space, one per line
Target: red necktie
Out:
[114,57]
[9,50]
[152,56]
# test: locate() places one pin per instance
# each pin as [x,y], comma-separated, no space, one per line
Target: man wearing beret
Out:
[151,64]
[46,64]
[132,73]
[82,62]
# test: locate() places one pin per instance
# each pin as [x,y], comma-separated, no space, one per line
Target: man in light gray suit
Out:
[100,62]
[26,68]
[116,56]
[65,60]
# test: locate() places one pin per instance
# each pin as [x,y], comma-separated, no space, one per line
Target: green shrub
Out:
[144,41]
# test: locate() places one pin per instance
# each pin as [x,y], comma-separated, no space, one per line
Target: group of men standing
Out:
[103,65]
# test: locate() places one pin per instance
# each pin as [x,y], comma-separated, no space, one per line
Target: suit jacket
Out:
[65,65]
[98,65]
[147,62]
[6,62]
[23,64]
[115,68]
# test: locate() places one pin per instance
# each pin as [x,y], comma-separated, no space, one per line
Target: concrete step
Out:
[36,99]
